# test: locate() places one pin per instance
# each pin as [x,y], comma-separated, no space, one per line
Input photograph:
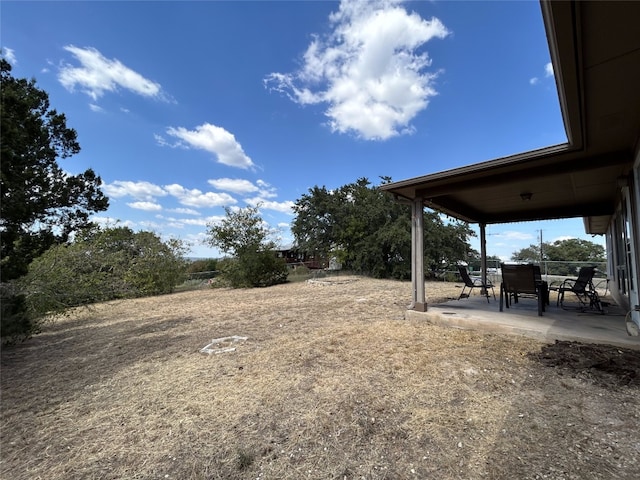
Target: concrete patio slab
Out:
[522,319]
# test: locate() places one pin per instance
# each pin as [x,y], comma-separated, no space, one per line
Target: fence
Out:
[558,271]
[561,268]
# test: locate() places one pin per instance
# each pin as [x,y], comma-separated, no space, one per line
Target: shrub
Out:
[243,235]
[257,269]
[105,265]
[15,322]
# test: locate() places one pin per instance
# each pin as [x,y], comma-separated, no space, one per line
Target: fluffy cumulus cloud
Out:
[184,211]
[97,74]
[261,193]
[235,185]
[260,189]
[199,199]
[146,206]
[369,71]
[139,190]
[212,139]
[282,207]
[146,194]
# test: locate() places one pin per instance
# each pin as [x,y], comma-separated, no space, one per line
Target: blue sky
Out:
[184,108]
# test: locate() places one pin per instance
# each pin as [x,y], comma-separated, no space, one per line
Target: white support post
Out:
[483,257]
[417,256]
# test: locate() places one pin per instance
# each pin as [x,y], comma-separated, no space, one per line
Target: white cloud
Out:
[198,199]
[184,211]
[235,185]
[146,206]
[514,235]
[562,238]
[283,207]
[240,186]
[96,108]
[10,55]
[111,222]
[212,139]
[198,222]
[139,190]
[147,224]
[203,222]
[548,70]
[98,75]
[367,71]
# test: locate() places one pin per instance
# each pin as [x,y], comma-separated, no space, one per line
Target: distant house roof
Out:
[595,51]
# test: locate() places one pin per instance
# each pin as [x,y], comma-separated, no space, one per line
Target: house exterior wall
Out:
[623,247]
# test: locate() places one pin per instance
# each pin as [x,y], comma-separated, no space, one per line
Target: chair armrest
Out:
[567,284]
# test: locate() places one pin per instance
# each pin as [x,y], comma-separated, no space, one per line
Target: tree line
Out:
[368,232]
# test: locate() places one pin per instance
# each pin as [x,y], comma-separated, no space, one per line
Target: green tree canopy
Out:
[100,265]
[562,253]
[41,205]
[570,250]
[371,233]
[247,238]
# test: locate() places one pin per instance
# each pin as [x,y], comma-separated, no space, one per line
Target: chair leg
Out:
[540,304]
[595,303]
[462,294]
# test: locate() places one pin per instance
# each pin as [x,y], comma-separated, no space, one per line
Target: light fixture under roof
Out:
[526,196]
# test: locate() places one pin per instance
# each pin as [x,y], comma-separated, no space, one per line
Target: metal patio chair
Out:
[472,283]
[520,281]
[583,289]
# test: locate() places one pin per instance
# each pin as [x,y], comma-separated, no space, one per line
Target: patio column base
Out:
[420,307]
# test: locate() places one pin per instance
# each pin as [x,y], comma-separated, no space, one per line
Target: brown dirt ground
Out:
[332,383]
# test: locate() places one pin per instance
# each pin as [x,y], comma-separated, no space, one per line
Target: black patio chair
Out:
[584,290]
[523,281]
[472,283]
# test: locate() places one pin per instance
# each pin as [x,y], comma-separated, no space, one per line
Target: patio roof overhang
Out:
[595,51]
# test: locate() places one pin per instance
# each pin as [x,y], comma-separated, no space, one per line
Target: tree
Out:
[561,253]
[244,235]
[100,265]
[41,205]
[370,233]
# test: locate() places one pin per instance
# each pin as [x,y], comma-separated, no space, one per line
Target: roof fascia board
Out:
[566,60]
[484,167]
[534,170]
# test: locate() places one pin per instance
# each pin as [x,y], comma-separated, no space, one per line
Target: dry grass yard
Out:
[332,383]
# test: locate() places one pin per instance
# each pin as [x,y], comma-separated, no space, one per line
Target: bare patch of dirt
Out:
[332,383]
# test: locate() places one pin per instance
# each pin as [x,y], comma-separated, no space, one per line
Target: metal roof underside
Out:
[595,50]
